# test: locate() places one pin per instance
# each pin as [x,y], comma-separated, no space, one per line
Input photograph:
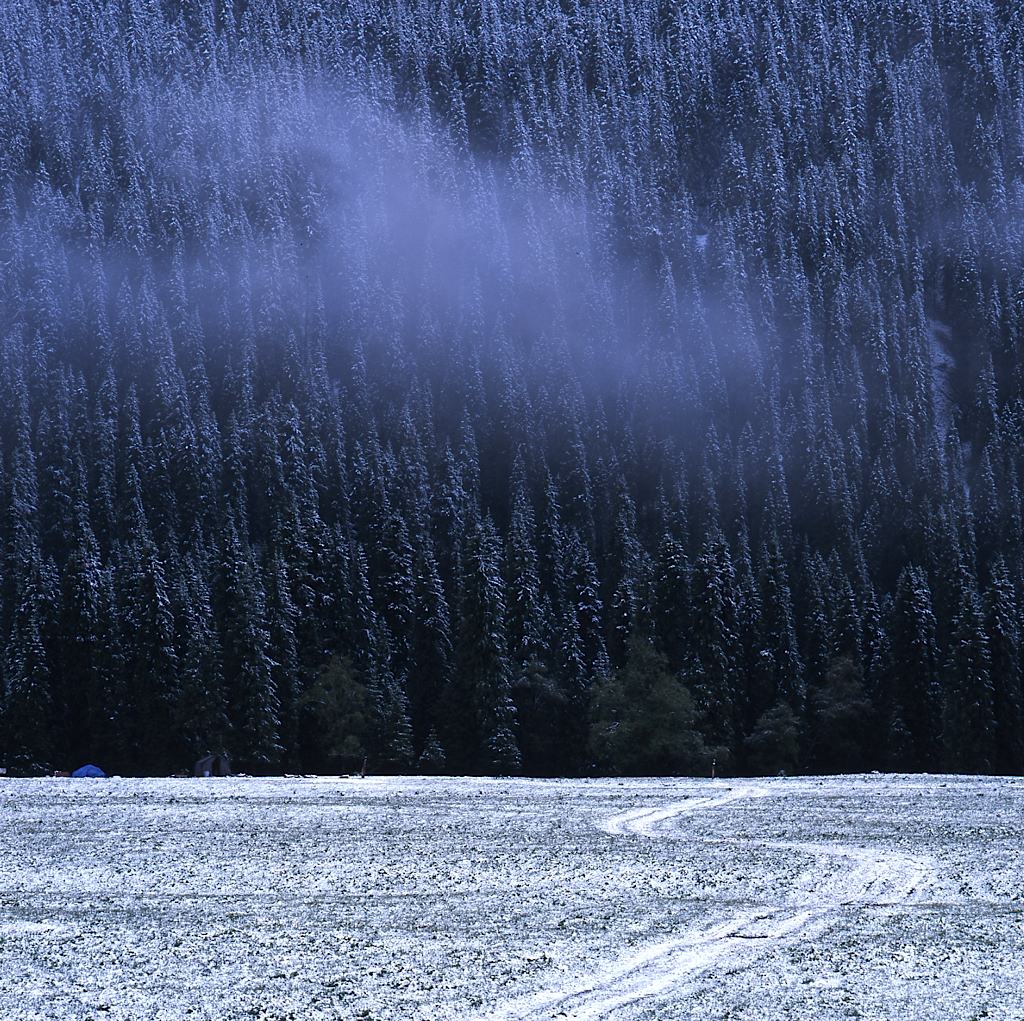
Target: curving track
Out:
[665,970]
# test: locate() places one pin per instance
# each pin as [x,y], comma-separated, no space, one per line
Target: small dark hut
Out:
[213,765]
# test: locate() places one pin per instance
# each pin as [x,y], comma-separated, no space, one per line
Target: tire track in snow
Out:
[644,821]
[875,878]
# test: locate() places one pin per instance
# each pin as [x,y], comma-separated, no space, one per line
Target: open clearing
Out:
[405,898]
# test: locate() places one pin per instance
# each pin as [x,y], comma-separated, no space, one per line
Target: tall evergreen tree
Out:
[483,653]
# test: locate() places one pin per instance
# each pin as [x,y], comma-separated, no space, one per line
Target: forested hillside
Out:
[512,385]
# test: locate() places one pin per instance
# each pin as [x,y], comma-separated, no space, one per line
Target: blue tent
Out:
[88,771]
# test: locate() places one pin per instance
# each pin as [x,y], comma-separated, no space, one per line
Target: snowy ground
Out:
[865,897]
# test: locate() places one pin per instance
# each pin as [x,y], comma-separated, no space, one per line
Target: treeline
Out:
[492,386]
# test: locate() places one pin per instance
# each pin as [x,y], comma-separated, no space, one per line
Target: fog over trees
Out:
[501,386]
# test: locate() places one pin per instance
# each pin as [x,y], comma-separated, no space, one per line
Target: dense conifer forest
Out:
[512,385]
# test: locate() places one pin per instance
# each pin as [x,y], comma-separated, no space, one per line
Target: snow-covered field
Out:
[863,897]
